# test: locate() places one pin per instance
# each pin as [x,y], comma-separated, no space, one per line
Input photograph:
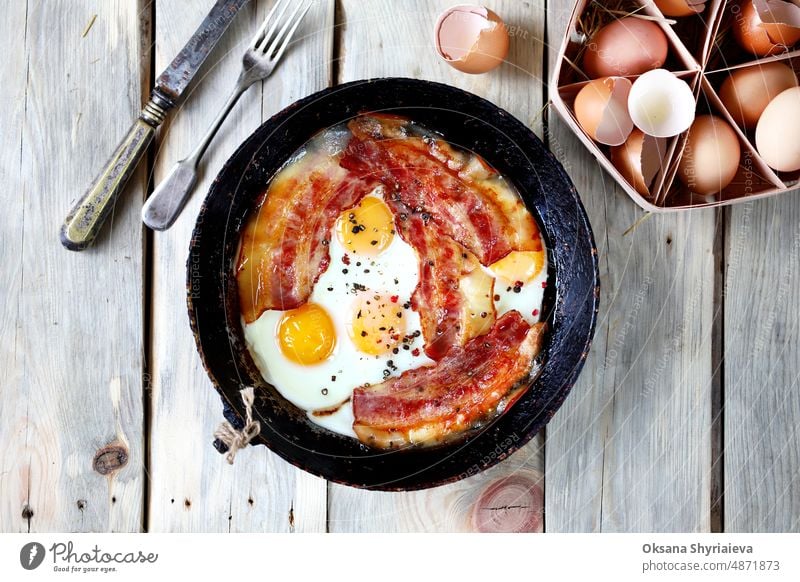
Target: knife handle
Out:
[87,216]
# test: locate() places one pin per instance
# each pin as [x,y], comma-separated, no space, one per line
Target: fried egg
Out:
[520,282]
[515,282]
[357,327]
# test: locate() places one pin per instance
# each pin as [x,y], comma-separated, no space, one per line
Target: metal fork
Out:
[266,49]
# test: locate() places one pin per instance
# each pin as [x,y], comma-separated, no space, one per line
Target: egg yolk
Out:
[521,266]
[306,334]
[368,228]
[377,323]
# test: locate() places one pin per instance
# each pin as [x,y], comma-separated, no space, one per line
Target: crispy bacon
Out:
[437,298]
[428,175]
[426,405]
[284,243]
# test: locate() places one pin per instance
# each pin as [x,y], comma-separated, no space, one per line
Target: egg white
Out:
[527,301]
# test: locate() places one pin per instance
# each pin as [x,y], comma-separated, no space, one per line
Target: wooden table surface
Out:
[684,419]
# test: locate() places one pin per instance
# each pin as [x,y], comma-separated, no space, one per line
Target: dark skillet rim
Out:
[233,409]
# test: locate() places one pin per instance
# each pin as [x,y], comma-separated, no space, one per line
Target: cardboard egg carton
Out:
[703,52]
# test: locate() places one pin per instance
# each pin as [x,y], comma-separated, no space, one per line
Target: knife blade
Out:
[171,83]
[85,219]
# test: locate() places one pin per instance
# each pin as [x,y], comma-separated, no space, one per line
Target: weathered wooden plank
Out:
[630,448]
[394,38]
[762,366]
[71,355]
[14,459]
[193,488]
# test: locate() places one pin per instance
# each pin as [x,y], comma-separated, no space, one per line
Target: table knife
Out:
[88,214]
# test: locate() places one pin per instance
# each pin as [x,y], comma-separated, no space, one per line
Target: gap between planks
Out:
[148,26]
[717,492]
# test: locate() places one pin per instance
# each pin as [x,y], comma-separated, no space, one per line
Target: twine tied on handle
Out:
[238,439]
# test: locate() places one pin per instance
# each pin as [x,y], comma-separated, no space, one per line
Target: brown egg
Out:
[757,37]
[472,39]
[778,132]
[679,8]
[746,92]
[639,159]
[710,157]
[601,108]
[625,47]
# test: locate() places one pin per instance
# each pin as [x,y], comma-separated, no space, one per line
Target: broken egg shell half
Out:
[679,8]
[639,159]
[470,38]
[601,108]
[780,19]
[766,27]
[661,104]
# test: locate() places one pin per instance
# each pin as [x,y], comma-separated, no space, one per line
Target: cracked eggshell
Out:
[678,8]
[472,39]
[766,27]
[602,111]
[780,19]
[710,156]
[778,132]
[639,159]
[625,47]
[661,104]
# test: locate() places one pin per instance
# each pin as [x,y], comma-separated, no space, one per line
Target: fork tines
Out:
[272,39]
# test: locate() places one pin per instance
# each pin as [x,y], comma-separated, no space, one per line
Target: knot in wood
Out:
[110,459]
[511,504]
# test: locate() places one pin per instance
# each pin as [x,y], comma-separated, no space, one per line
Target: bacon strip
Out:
[426,174]
[426,405]
[284,243]
[437,298]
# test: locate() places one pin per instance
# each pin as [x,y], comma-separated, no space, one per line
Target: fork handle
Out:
[84,221]
[168,199]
